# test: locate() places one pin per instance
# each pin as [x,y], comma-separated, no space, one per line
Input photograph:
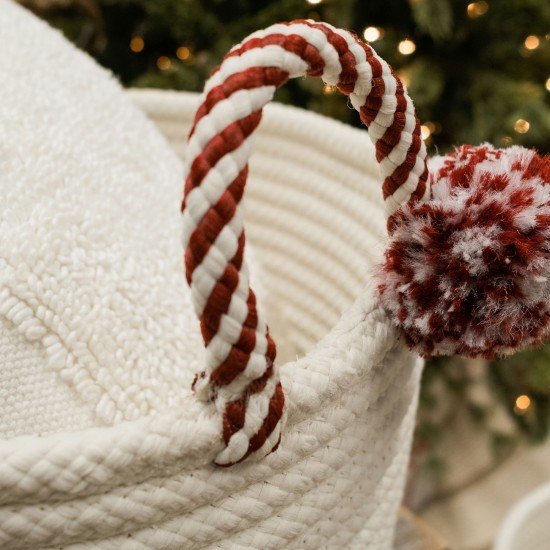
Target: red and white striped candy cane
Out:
[240,374]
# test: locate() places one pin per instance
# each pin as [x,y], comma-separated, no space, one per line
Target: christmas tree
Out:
[477,71]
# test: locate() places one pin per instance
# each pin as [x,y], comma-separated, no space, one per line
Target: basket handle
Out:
[240,375]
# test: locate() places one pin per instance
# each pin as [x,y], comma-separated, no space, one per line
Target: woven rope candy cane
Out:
[240,374]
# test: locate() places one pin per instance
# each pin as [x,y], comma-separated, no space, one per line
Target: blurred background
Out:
[477,71]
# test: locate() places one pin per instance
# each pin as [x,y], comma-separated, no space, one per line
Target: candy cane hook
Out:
[240,375]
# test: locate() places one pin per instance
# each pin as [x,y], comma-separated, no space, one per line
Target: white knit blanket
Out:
[95,318]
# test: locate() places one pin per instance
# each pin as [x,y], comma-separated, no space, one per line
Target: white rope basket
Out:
[315,220]
[337,479]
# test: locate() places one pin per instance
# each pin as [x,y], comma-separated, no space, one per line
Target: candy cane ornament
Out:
[240,375]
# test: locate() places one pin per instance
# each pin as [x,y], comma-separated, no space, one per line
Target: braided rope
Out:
[240,376]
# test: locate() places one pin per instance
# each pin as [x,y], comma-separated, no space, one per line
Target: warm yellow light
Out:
[406,47]
[475,9]
[314,1]
[328,89]
[163,63]
[405,76]
[137,44]
[523,402]
[548,84]
[425,132]
[532,42]
[521,126]
[433,127]
[183,53]
[372,34]
[507,140]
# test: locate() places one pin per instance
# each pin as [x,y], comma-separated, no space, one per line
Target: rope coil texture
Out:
[240,373]
[350,400]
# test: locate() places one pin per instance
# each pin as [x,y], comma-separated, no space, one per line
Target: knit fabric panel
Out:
[91,264]
[32,398]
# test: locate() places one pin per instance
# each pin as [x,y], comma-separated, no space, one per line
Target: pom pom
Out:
[468,272]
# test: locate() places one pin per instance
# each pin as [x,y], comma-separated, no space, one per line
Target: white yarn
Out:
[337,478]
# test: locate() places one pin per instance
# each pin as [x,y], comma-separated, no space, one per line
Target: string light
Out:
[506,140]
[372,34]
[521,126]
[137,44]
[532,42]
[328,89]
[406,47]
[314,2]
[548,84]
[405,76]
[476,9]
[163,63]
[183,53]
[425,132]
[433,127]
[523,402]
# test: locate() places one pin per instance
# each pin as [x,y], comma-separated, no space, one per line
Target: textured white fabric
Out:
[91,267]
[315,216]
[32,398]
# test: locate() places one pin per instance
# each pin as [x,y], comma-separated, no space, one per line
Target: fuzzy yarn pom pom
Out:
[468,272]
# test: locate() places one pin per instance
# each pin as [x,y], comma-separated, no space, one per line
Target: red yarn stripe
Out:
[420,190]
[212,223]
[372,105]
[253,77]
[234,418]
[220,145]
[348,73]
[275,411]
[392,135]
[293,43]
[401,173]
[238,357]
[220,297]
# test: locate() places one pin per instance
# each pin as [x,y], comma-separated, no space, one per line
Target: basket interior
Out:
[314,214]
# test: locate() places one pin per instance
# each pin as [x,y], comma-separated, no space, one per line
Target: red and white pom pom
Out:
[468,271]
